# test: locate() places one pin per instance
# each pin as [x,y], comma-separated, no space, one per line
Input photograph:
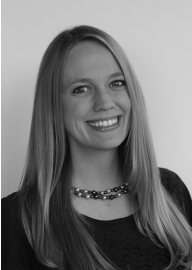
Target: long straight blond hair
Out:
[59,235]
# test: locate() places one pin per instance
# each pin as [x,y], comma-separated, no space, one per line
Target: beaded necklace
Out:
[92,194]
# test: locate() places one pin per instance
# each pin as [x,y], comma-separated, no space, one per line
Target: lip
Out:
[106,129]
[104,118]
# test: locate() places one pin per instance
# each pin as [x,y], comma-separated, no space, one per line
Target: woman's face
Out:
[97,107]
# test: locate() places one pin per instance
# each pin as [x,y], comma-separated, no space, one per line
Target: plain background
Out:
[157,37]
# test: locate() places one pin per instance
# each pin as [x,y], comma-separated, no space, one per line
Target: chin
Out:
[107,145]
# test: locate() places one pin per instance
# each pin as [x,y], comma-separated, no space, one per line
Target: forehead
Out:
[89,58]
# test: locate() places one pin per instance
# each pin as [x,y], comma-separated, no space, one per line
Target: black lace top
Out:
[119,239]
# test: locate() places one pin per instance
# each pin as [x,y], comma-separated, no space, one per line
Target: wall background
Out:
[157,38]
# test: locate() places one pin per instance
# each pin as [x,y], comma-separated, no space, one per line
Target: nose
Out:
[103,101]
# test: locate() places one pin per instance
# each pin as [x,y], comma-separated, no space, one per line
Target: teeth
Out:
[110,122]
[104,123]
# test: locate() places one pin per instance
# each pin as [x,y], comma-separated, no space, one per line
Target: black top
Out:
[119,239]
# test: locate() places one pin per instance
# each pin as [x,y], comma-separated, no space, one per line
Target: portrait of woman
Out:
[92,196]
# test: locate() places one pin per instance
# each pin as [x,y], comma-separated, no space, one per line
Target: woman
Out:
[92,196]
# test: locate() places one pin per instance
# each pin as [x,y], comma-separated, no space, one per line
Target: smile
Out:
[103,125]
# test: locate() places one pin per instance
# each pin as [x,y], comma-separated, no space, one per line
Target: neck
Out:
[96,169]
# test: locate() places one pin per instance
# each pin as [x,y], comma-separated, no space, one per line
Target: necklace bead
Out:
[103,195]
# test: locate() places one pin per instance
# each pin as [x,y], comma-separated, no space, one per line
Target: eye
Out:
[80,90]
[118,83]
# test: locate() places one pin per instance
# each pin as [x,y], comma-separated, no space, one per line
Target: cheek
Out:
[74,114]
[126,107]
[125,103]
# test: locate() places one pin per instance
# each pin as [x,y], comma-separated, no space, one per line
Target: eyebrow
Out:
[85,79]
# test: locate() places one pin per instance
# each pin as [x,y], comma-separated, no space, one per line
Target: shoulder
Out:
[10,208]
[17,252]
[15,246]
[10,200]
[170,180]
[11,218]
[10,212]
[178,191]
